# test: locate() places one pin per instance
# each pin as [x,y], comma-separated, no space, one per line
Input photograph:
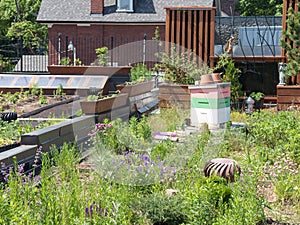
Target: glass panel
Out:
[76,82]
[96,82]
[44,81]
[125,5]
[23,81]
[6,81]
[60,80]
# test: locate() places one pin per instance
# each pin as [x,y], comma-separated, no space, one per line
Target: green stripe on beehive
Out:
[209,103]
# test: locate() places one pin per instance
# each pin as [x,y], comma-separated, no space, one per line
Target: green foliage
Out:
[169,119]
[181,67]
[78,62]
[66,194]
[284,175]
[6,64]
[260,7]
[161,209]
[59,92]
[17,22]
[205,200]
[65,61]
[275,133]
[244,206]
[92,97]
[102,54]
[121,136]
[11,132]
[43,100]
[162,150]
[291,42]
[231,74]
[257,96]
[35,90]
[140,73]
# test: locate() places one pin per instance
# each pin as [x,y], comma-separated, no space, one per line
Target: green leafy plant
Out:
[291,42]
[102,54]
[181,68]
[59,92]
[65,61]
[78,62]
[35,90]
[231,74]
[140,73]
[92,97]
[161,208]
[257,96]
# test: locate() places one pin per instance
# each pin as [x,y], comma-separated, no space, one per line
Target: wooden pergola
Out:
[193,28]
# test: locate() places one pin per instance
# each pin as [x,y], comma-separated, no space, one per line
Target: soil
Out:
[33,105]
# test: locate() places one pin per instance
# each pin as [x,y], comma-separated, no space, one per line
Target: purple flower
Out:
[146,158]
[146,164]
[21,169]
[37,156]
[87,212]
[139,168]
[91,209]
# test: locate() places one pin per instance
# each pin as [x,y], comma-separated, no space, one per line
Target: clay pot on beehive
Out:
[224,167]
[216,77]
[206,79]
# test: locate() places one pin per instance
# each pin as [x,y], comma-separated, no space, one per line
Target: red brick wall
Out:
[97,6]
[87,38]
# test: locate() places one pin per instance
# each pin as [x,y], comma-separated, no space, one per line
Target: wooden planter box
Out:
[79,70]
[288,96]
[136,89]
[103,105]
[172,94]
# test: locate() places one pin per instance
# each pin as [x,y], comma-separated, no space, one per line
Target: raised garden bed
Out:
[107,103]
[11,132]
[172,94]
[136,89]
[31,102]
[99,70]
[288,96]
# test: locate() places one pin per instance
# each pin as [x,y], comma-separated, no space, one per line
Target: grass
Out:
[129,186]
[10,132]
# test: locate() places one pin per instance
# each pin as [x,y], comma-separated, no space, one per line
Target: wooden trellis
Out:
[191,28]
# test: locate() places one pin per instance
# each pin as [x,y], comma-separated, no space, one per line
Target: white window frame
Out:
[130,9]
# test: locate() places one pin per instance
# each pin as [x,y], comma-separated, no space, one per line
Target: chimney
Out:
[97,7]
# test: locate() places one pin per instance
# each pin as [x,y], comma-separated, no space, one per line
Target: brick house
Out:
[91,24]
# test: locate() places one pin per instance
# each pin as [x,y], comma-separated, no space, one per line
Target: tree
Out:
[291,42]
[260,7]
[18,20]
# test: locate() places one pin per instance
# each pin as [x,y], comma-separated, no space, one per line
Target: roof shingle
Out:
[145,11]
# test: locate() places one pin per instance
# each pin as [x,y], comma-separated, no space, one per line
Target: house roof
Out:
[145,11]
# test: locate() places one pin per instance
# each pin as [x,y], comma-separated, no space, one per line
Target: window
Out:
[125,6]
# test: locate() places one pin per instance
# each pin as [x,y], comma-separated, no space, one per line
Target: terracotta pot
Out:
[216,77]
[206,79]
